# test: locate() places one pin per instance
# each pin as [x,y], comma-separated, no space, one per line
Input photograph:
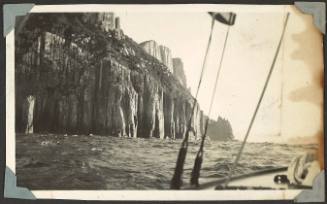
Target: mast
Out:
[176,182]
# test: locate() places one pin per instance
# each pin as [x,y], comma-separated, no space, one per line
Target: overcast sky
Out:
[250,49]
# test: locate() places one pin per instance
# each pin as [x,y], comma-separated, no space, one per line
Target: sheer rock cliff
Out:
[178,69]
[77,77]
[160,52]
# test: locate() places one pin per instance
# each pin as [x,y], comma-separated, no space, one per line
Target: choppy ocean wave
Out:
[97,162]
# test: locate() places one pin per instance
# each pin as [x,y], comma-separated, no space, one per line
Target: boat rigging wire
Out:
[258,104]
[199,157]
[176,181]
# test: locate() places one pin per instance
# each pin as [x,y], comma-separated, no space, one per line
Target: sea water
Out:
[62,162]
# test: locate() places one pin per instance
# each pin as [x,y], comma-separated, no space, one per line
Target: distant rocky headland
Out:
[78,73]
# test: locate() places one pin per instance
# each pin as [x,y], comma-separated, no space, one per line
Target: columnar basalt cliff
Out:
[178,69]
[160,52]
[166,57]
[104,21]
[78,78]
[152,48]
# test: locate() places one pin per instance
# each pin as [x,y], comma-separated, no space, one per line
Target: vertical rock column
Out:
[178,71]
[169,116]
[63,110]
[159,117]
[30,101]
[166,58]
[181,119]
[148,108]
[137,81]
[118,113]
[152,48]
[116,101]
[153,109]
[87,80]
[197,122]
[131,109]
[73,113]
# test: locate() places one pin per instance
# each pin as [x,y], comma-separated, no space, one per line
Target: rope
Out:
[258,104]
[176,181]
[199,157]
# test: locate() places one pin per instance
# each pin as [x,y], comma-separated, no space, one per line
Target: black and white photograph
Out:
[195,98]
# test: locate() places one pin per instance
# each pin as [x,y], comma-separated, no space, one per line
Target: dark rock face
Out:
[105,21]
[220,130]
[178,68]
[85,80]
